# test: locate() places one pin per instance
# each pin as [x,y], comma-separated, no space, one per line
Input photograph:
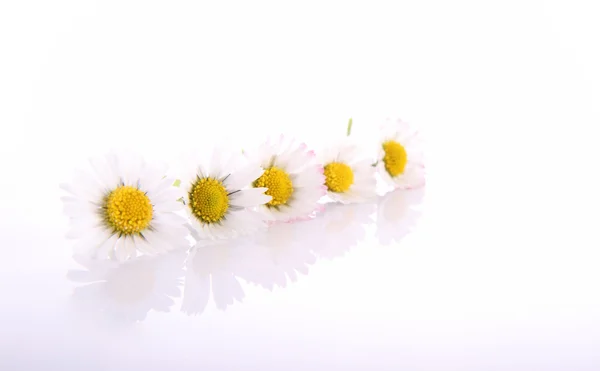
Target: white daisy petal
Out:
[171,194]
[157,241]
[143,246]
[309,195]
[105,246]
[160,187]
[296,159]
[129,247]
[216,164]
[170,218]
[75,208]
[249,197]
[231,163]
[243,178]
[348,153]
[104,173]
[168,206]
[89,188]
[81,228]
[68,188]
[170,232]
[88,245]
[314,178]
[120,250]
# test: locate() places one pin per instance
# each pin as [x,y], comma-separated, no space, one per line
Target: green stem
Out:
[349,130]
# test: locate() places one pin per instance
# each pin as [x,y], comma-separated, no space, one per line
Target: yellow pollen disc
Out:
[209,200]
[395,158]
[338,177]
[279,185]
[127,210]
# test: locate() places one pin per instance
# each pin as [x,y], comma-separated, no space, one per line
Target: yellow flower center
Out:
[279,185]
[338,177]
[127,210]
[395,158]
[209,200]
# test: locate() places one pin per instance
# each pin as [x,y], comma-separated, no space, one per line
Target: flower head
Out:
[400,158]
[349,174]
[123,207]
[292,178]
[219,195]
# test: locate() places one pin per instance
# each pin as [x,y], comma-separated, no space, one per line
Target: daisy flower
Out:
[400,157]
[349,174]
[123,207]
[219,195]
[292,178]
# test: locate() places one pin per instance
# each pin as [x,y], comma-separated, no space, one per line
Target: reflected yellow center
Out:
[208,200]
[395,158]
[127,210]
[279,185]
[338,177]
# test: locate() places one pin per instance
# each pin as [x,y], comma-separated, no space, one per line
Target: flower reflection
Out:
[214,267]
[127,292]
[398,213]
[270,259]
[285,252]
[267,260]
[342,227]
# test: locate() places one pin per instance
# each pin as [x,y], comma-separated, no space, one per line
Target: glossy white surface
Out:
[499,273]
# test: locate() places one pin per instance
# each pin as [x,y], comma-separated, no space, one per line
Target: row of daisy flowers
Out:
[126,206]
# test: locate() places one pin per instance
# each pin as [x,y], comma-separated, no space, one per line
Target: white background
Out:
[502,271]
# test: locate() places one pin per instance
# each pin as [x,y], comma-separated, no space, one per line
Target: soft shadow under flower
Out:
[127,292]
[398,213]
